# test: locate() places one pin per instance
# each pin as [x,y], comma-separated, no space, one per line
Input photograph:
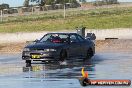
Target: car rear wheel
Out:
[63,55]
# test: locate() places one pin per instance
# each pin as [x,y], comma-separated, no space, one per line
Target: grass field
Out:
[91,19]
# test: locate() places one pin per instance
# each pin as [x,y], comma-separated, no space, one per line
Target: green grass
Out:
[92,19]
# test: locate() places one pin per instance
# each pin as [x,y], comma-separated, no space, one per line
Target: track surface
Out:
[113,61]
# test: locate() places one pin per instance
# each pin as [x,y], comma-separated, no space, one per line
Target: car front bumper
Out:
[40,56]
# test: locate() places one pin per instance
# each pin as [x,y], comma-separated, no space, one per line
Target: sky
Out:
[15,3]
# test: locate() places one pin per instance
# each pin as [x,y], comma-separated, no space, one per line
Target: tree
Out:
[110,1]
[82,0]
[49,2]
[26,3]
[105,2]
[61,1]
[40,2]
[4,6]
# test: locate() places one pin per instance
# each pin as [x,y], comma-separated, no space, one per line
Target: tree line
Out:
[4,6]
[105,2]
[51,2]
[48,2]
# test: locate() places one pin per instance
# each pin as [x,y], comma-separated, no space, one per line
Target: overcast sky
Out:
[15,3]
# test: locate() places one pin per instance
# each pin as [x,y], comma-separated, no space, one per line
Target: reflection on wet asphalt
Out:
[14,73]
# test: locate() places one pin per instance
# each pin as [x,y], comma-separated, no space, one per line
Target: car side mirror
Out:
[87,38]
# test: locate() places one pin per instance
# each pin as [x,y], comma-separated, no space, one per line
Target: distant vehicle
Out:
[58,46]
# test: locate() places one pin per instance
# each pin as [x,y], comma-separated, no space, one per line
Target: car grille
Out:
[38,50]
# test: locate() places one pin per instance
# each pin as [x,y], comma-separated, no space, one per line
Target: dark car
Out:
[58,46]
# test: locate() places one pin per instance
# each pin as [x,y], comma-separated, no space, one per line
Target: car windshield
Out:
[55,38]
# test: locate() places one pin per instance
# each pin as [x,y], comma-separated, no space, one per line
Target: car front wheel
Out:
[28,63]
[63,55]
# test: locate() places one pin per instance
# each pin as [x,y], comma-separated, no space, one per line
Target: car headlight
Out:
[47,50]
[26,49]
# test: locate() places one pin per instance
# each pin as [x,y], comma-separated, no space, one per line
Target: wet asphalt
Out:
[104,65]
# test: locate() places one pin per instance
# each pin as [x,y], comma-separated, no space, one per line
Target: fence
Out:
[48,9]
[33,14]
[19,11]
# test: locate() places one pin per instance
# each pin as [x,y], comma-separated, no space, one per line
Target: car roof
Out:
[62,33]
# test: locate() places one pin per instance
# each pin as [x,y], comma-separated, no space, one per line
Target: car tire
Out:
[63,55]
[28,63]
[89,53]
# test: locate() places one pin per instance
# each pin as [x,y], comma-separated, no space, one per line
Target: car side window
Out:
[80,38]
[45,38]
[73,38]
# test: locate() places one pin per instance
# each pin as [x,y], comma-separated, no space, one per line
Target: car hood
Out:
[44,45]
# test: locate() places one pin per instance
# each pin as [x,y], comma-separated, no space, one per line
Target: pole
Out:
[1,12]
[64,11]
[32,10]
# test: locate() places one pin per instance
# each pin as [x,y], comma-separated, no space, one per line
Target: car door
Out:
[74,46]
[83,45]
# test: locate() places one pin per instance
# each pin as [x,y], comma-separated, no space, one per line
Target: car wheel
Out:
[28,63]
[89,53]
[63,55]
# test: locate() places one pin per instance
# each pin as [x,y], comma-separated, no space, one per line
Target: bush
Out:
[105,2]
[4,6]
